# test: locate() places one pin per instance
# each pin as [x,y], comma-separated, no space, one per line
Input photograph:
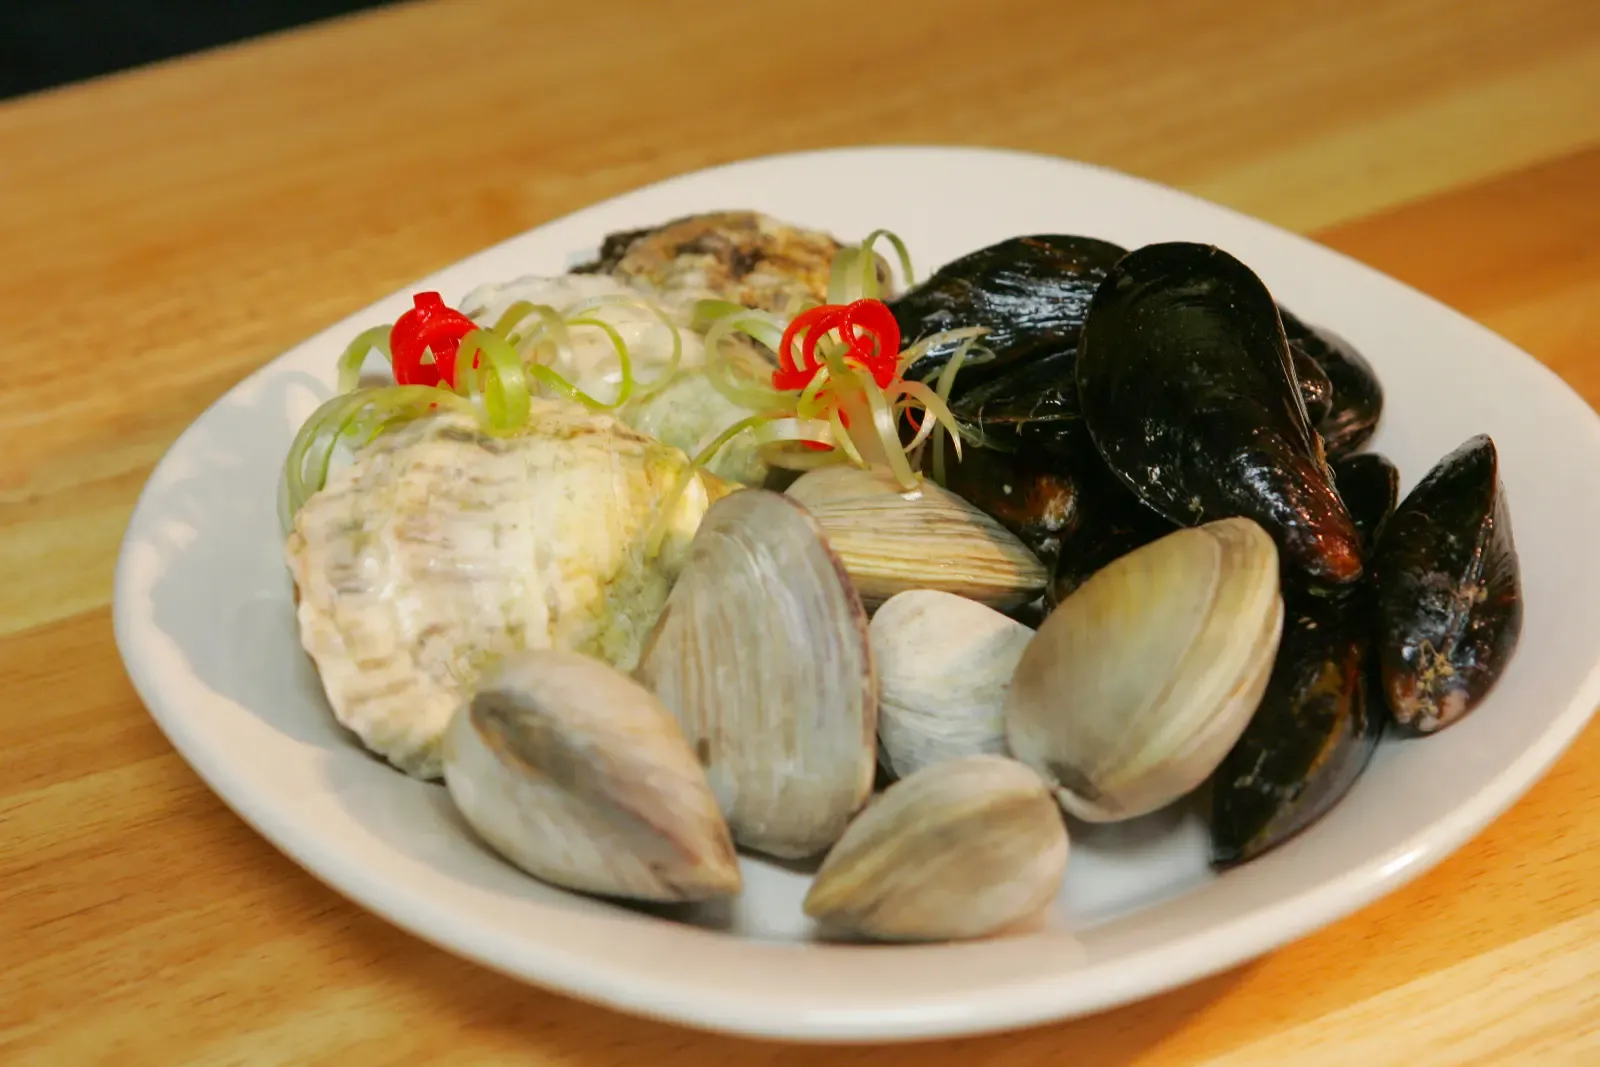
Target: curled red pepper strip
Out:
[869,331]
[429,326]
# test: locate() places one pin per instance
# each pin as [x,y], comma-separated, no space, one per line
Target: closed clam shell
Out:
[762,654]
[944,665]
[891,541]
[964,849]
[578,775]
[1141,680]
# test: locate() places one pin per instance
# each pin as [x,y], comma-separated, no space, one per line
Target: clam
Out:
[578,775]
[1141,680]
[965,849]
[944,664]
[890,541]
[761,652]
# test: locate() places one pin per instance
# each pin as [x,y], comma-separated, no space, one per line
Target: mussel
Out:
[1310,737]
[1029,494]
[1316,389]
[1187,388]
[1449,591]
[1030,293]
[1369,485]
[1357,403]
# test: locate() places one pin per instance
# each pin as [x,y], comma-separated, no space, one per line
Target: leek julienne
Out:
[843,413]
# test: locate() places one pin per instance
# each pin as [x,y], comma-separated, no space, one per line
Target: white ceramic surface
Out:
[205,625]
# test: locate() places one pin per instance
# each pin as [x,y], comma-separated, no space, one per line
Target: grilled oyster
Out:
[743,256]
[441,547]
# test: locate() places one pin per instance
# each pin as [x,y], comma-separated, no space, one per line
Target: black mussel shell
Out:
[1026,493]
[1369,485]
[1107,523]
[1310,738]
[1031,406]
[1449,590]
[1031,293]
[1186,385]
[1315,388]
[1357,402]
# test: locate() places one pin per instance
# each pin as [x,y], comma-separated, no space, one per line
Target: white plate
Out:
[204,622]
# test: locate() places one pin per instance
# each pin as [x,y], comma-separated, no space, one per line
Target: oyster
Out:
[1137,685]
[1030,294]
[1449,591]
[1310,738]
[762,654]
[890,541]
[1186,385]
[743,256]
[966,849]
[441,547]
[1357,402]
[944,665]
[578,775]
[1369,485]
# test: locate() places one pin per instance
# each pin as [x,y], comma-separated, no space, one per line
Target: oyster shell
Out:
[944,665]
[441,547]
[964,849]
[762,654]
[743,256]
[1137,685]
[579,776]
[890,541]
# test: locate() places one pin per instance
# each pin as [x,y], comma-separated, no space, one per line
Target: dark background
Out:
[45,43]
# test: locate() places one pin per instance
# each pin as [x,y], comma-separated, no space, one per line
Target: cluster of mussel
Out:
[1162,568]
[1131,394]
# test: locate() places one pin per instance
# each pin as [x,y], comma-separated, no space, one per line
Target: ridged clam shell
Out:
[963,849]
[944,666]
[891,541]
[578,775]
[1137,685]
[762,654]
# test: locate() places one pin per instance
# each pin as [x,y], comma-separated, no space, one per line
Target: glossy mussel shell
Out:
[1187,387]
[1369,485]
[1449,591]
[1310,737]
[1356,404]
[1031,293]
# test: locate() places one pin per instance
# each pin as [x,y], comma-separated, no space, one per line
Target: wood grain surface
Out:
[165,232]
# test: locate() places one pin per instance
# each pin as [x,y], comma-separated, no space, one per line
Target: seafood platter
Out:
[748,544]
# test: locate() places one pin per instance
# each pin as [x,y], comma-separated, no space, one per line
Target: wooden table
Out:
[165,232]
